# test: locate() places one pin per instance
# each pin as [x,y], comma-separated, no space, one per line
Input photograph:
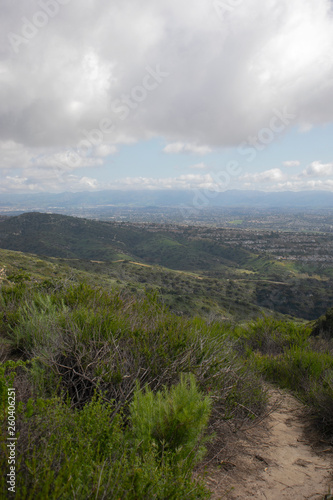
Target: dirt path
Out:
[277,459]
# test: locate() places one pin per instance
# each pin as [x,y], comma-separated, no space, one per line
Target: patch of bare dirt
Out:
[2,273]
[279,458]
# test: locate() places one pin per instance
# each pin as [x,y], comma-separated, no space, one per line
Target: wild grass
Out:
[286,354]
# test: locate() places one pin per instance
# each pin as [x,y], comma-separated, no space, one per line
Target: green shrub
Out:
[174,420]
[37,324]
[86,339]
[87,350]
[324,325]
[66,453]
[309,374]
[271,336]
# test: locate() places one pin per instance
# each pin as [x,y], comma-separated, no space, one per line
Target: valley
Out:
[233,273]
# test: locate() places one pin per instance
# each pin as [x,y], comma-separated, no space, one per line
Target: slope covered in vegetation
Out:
[113,386]
[193,274]
[118,396]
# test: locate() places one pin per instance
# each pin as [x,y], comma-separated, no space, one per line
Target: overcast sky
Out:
[130,94]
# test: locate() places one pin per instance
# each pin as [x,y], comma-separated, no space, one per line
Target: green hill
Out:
[193,275]
[70,237]
[115,395]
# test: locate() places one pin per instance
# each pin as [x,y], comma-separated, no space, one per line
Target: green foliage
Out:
[86,339]
[36,320]
[87,431]
[271,336]
[8,371]
[174,420]
[19,277]
[296,368]
[287,355]
[324,325]
[87,350]
[309,374]
[87,454]
[104,252]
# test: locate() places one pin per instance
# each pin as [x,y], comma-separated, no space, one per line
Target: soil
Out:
[281,457]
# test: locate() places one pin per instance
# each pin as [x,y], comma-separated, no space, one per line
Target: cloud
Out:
[48,181]
[104,150]
[304,185]
[170,68]
[76,83]
[314,177]
[16,156]
[180,147]
[318,169]
[273,175]
[291,163]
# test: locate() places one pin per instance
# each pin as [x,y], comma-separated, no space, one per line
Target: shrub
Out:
[174,420]
[324,325]
[86,351]
[309,374]
[36,327]
[87,454]
[87,339]
[271,336]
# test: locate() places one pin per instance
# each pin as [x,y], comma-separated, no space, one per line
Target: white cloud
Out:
[318,169]
[48,181]
[273,175]
[173,69]
[291,163]
[222,78]
[305,185]
[105,150]
[315,177]
[180,147]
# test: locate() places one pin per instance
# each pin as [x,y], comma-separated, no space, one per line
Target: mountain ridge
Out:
[169,198]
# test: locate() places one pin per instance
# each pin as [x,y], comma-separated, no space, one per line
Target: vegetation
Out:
[197,271]
[287,355]
[114,386]
[324,325]
[118,396]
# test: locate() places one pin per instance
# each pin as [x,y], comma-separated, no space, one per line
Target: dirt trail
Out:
[277,459]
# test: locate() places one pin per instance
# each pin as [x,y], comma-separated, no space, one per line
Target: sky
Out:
[167,94]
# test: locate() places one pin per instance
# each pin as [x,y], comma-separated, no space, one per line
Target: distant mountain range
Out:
[172,198]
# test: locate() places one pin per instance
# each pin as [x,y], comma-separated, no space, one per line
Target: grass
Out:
[287,355]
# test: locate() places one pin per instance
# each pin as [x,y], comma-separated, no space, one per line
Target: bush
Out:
[309,374]
[324,325]
[88,454]
[174,420]
[271,336]
[85,339]
[87,431]
[36,328]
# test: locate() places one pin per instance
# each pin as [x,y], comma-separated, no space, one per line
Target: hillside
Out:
[193,274]
[117,397]
[70,237]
